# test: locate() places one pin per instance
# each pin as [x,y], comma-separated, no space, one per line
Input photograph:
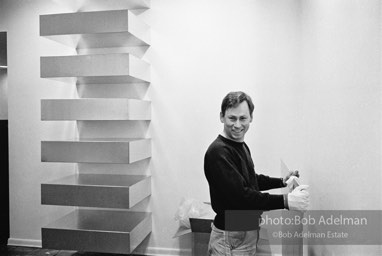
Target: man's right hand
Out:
[299,198]
[292,183]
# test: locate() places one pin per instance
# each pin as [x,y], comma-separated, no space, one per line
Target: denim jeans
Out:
[232,243]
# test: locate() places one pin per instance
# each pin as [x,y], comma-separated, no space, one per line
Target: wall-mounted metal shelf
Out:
[98,231]
[96,150]
[95,109]
[97,190]
[100,29]
[102,71]
[96,68]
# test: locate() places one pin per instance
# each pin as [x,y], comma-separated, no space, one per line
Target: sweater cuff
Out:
[286,206]
[283,183]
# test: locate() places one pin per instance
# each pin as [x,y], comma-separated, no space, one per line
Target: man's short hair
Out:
[233,99]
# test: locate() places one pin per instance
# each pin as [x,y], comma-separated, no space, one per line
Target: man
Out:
[234,185]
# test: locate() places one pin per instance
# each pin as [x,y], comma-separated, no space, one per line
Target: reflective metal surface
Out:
[98,231]
[119,65]
[89,29]
[95,109]
[96,150]
[97,190]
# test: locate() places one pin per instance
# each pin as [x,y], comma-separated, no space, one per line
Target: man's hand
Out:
[299,198]
[290,174]
[292,183]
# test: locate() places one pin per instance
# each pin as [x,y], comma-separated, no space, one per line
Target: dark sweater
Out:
[234,185]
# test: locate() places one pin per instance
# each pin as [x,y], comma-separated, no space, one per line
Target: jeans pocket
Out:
[217,244]
[235,239]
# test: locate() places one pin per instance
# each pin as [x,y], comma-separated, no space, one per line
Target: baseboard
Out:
[159,251]
[156,251]
[24,242]
[149,251]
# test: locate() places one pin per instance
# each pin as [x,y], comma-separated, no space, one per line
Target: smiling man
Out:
[234,184]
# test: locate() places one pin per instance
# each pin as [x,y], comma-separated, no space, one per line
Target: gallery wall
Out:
[25,89]
[312,68]
[342,102]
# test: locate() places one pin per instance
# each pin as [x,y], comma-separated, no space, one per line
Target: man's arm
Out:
[225,178]
[266,182]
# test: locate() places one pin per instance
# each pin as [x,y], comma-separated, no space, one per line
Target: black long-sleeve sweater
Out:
[233,183]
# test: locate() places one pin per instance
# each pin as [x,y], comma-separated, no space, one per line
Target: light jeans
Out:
[232,243]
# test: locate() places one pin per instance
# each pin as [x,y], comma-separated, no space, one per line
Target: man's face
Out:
[236,122]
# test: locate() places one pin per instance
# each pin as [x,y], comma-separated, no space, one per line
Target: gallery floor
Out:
[30,251]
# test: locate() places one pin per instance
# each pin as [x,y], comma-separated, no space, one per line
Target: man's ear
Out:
[221,117]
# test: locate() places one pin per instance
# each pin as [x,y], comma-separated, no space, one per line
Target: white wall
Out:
[342,107]
[342,47]
[25,89]
[312,68]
